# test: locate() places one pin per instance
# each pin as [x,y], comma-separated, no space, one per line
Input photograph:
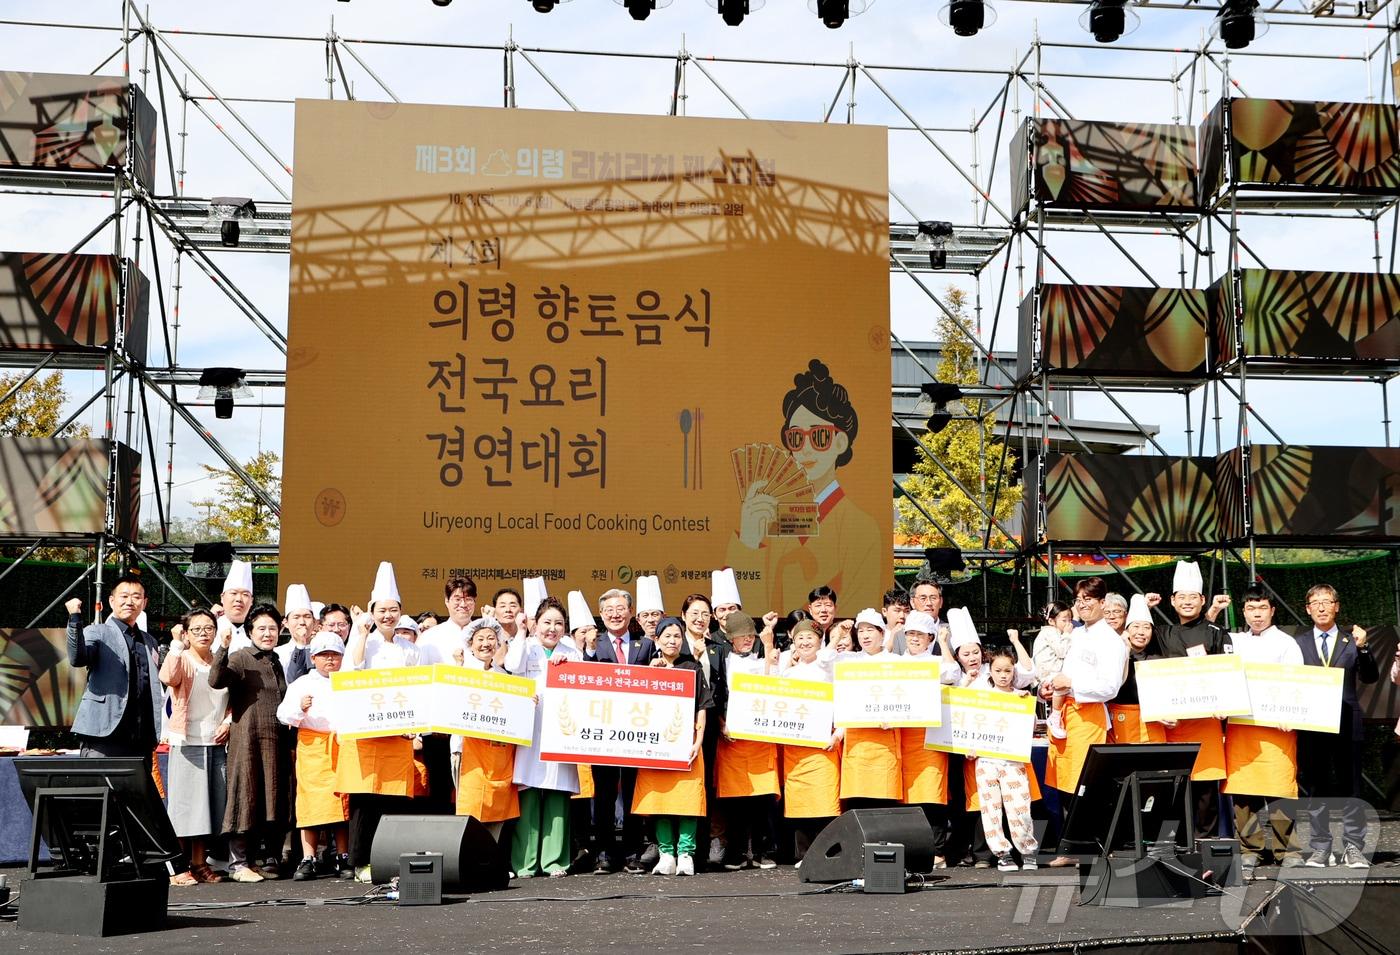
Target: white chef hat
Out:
[406,623]
[297,599]
[1138,611]
[535,592]
[1186,579]
[872,617]
[386,587]
[327,641]
[649,594]
[921,622]
[579,614]
[240,576]
[724,589]
[961,630]
[316,608]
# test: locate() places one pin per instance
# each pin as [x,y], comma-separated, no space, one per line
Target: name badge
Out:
[1196,651]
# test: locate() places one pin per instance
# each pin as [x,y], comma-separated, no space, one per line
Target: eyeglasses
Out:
[201,630]
[1087,600]
[1322,603]
[820,435]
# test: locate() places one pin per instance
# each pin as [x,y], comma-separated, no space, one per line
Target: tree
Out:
[235,512]
[36,409]
[968,448]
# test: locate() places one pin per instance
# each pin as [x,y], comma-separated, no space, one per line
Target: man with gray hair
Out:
[617,644]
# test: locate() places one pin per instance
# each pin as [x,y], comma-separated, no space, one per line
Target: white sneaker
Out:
[666,865]
[1028,863]
[1006,863]
[1056,725]
[685,865]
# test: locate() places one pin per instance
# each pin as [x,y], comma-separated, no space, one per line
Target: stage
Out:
[751,911]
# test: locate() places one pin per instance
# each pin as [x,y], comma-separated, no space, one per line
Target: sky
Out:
[1127,81]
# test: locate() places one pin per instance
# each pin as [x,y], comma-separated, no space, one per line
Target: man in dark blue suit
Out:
[617,644]
[1329,766]
[120,711]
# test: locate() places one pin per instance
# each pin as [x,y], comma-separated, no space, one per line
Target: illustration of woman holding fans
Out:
[823,538]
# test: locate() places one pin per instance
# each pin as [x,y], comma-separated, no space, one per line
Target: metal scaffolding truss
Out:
[990,249]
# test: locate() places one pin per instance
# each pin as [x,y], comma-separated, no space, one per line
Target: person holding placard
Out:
[1126,724]
[255,813]
[376,773]
[924,771]
[541,841]
[1004,784]
[486,773]
[1196,635]
[746,770]
[583,631]
[811,775]
[1261,762]
[675,799]
[871,776]
[713,659]
[1093,675]
[306,708]
[1330,764]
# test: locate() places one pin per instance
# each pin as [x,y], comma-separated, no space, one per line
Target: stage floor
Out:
[752,911]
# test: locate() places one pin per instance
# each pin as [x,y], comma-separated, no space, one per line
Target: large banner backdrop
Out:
[587,347]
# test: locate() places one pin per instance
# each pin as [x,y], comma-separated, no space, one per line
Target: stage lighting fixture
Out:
[223,385]
[235,217]
[543,6]
[441,3]
[732,12]
[935,238]
[640,9]
[1107,20]
[1236,23]
[966,17]
[940,419]
[941,392]
[833,13]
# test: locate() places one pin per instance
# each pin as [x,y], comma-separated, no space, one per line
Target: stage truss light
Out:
[834,13]
[967,17]
[1238,23]
[545,6]
[641,9]
[732,12]
[235,217]
[222,386]
[935,238]
[1109,20]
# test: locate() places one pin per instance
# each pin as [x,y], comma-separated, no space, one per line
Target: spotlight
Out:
[941,392]
[967,17]
[222,385]
[941,418]
[833,13]
[640,9]
[542,6]
[1108,20]
[1237,25]
[441,3]
[732,12]
[935,238]
[235,217]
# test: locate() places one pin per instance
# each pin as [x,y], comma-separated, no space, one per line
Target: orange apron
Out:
[1128,726]
[746,767]
[1210,760]
[1261,761]
[972,800]
[318,803]
[485,788]
[925,771]
[585,782]
[870,765]
[1084,726]
[382,765]
[671,792]
[811,782]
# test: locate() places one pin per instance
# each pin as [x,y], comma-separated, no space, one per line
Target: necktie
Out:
[621,656]
[1326,656]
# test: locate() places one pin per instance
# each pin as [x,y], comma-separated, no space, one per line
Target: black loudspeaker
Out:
[83,905]
[838,852]
[472,861]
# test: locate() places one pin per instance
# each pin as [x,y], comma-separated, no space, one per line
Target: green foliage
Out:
[37,409]
[968,448]
[234,513]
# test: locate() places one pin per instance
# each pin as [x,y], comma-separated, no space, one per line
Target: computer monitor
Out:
[1164,779]
[75,833]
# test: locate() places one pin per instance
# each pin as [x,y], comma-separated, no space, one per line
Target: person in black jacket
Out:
[1329,766]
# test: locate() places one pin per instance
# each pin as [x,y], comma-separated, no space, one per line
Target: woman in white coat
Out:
[541,840]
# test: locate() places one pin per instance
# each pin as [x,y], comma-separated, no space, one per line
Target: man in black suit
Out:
[1329,766]
[617,644]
